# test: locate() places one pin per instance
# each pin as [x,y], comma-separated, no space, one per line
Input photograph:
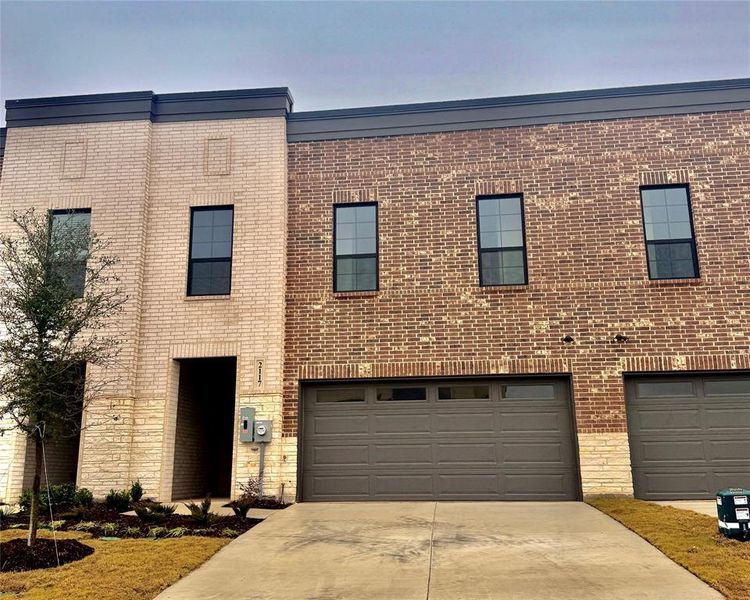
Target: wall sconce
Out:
[620,339]
[568,339]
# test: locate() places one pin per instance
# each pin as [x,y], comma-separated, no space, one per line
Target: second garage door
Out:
[447,440]
[689,436]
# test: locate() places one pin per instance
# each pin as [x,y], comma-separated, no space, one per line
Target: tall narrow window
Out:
[69,235]
[355,232]
[210,268]
[668,224]
[502,250]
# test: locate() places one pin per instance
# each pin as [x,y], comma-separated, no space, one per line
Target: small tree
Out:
[57,296]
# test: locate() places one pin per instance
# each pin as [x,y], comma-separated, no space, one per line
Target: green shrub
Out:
[109,528]
[157,532]
[119,501]
[136,491]
[51,525]
[61,494]
[177,532]
[84,498]
[6,510]
[241,506]
[227,532]
[153,511]
[84,526]
[133,531]
[201,513]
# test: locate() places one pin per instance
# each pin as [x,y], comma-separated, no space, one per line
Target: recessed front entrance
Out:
[205,428]
[509,439]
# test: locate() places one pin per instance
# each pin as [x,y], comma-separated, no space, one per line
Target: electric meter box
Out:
[733,507]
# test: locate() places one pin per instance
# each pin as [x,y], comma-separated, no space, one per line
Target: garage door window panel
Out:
[464,392]
[668,227]
[400,394]
[340,395]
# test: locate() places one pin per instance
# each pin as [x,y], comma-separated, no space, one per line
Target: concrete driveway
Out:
[439,551]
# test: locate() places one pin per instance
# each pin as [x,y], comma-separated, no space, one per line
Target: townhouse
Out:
[533,297]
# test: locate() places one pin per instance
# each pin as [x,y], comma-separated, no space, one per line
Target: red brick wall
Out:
[586,257]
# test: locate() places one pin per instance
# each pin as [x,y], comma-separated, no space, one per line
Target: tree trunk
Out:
[35,500]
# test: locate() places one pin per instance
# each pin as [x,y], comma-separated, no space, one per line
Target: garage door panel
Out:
[341,455]
[401,454]
[730,417]
[471,422]
[446,446]
[669,418]
[689,436]
[535,484]
[340,424]
[401,423]
[550,421]
[479,453]
[342,486]
[397,485]
[468,484]
[537,453]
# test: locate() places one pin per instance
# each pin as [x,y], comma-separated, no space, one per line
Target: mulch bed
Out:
[130,526]
[17,556]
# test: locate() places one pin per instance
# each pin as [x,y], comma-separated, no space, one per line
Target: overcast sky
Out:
[334,55]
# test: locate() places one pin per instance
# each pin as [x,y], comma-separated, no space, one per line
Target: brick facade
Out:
[140,180]
[586,263]
[587,272]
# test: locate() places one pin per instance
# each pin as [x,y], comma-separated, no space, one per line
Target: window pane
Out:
[210,277]
[503,267]
[727,387]
[666,215]
[355,236]
[663,389]
[341,395]
[522,392]
[671,260]
[70,230]
[501,226]
[464,392]
[399,393]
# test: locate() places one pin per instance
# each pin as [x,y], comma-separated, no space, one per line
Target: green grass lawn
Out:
[118,570]
[688,538]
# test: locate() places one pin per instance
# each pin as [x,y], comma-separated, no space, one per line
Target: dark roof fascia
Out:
[513,111]
[129,106]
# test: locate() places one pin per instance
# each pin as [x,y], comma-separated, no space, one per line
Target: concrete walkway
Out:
[439,551]
[706,507]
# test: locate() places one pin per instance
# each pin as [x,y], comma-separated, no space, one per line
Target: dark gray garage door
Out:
[689,436]
[493,440]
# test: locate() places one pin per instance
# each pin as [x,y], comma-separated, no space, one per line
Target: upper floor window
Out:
[668,225]
[210,264]
[502,249]
[355,233]
[70,236]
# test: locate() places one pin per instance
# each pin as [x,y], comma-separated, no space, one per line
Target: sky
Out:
[343,54]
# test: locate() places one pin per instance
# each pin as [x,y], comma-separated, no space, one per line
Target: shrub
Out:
[119,501]
[84,526]
[136,491]
[51,525]
[61,494]
[241,505]
[6,510]
[156,532]
[84,498]
[201,513]
[227,532]
[133,531]
[109,528]
[153,511]
[177,532]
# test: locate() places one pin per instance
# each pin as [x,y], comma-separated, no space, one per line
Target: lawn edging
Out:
[690,539]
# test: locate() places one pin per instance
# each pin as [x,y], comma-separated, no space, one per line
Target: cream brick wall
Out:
[605,463]
[140,180]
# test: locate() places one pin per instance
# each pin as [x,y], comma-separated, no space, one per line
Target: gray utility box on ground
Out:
[733,507]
